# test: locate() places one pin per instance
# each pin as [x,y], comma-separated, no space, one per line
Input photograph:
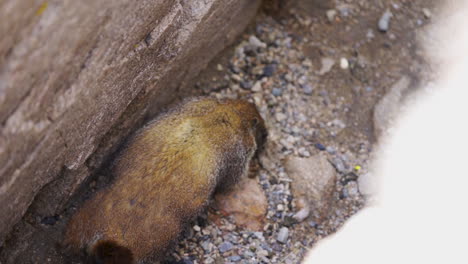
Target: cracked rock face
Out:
[75,79]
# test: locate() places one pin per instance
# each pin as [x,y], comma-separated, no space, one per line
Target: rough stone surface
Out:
[313,181]
[246,203]
[75,79]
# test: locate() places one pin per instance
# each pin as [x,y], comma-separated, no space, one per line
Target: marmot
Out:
[164,177]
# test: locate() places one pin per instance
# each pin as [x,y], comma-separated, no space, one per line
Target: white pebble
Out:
[344,64]
[254,41]
[331,15]
[280,207]
[257,87]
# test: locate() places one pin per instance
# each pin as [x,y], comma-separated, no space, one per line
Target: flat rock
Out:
[313,184]
[246,203]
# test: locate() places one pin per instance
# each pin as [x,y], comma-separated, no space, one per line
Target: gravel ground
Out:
[315,73]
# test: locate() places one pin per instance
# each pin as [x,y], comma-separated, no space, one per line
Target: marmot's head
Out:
[252,121]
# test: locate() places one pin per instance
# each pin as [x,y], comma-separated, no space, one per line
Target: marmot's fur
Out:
[164,177]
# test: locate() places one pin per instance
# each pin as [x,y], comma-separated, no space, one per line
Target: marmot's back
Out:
[165,176]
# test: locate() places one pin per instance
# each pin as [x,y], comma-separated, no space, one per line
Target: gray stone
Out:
[207,246]
[269,70]
[283,235]
[246,85]
[327,65]
[234,258]
[313,184]
[308,89]
[225,246]
[339,164]
[351,190]
[277,91]
[384,21]
[259,235]
[330,149]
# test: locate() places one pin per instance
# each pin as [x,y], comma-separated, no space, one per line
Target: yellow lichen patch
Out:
[42,8]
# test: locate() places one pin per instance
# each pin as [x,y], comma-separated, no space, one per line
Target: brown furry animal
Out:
[164,177]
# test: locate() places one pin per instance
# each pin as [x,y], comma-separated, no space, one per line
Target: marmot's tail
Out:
[109,252]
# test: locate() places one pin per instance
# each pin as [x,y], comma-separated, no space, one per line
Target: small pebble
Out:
[331,15]
[427,13]
[308,89]
[234,258]
[225,246]
[277,247]
[345,10]
[303,152]
[196,228]
[277,91]
[291,220]
[259,235]
[246,85]
[257,87]
[344,64]
[320,146]
[283,235]
[327,65]
[280,116]
[384,21]
[339,165]
[254,41]
[312,224]
[257,70]
[207,246]
[351,189]
[280,207]
[330,150]
[269,70]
